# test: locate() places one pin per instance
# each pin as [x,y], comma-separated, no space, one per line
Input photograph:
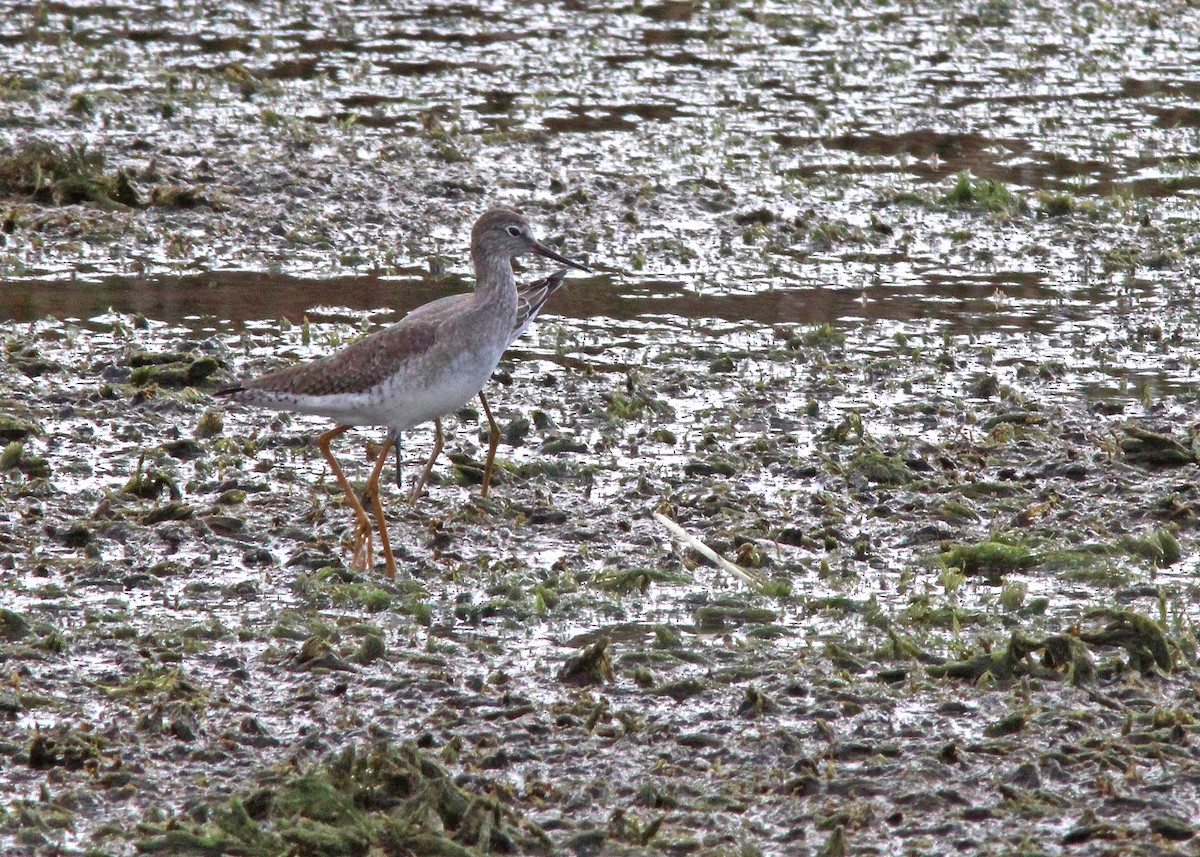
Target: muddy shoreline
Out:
[897,313]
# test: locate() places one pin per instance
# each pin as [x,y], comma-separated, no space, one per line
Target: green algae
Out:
[987,194]
[1159,547]
[175,374]
[1053,204]
[1144,640]
[159,683]
[624,581]
[1070,656]
[372,648]
[991,558]
[718,616]
[14,457]
[636,400]
[64,175]
[13,625]
[880,469]
[13,428]
[383,798]
[1153,449]
[149,484]
[592,665]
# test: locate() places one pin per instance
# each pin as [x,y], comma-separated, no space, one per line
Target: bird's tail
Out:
[531,299]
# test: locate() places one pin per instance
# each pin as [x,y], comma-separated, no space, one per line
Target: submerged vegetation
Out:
[47,173]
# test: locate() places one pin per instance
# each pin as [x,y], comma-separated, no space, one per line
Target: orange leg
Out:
[363,523]
[377,507]
[437,450]
[493,442]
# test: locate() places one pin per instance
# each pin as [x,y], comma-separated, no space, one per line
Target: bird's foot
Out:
[361,542]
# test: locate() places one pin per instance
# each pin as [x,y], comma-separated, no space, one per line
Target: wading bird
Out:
[431,362]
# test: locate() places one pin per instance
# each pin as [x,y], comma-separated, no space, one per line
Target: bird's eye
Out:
[514,231]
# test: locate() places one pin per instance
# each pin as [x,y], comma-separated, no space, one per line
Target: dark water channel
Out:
[237,298]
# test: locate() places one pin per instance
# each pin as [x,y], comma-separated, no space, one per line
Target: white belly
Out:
[416,404]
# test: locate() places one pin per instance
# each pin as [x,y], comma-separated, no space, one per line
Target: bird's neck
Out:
[493,274]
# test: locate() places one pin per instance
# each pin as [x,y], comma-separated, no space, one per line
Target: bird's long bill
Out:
[542,250]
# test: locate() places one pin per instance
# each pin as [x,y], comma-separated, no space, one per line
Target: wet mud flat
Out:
[895,311]
[969,622]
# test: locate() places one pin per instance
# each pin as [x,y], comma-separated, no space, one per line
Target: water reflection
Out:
[1003,300]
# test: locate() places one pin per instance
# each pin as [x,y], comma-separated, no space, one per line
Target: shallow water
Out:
[697,124]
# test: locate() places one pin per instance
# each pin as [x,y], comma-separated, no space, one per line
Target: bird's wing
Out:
[357,367]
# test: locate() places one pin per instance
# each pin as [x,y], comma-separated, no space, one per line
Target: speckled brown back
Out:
[358,367]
